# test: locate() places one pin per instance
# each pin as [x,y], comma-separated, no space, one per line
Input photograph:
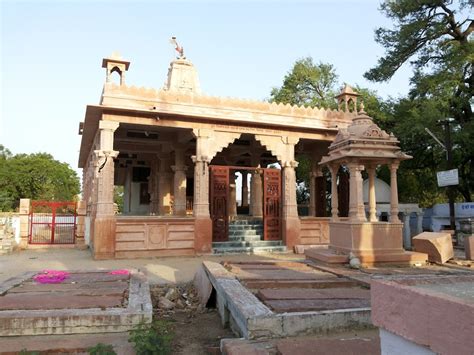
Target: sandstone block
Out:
[469,247]
[438,246]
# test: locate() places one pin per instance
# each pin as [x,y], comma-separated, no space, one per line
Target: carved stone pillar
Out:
[179,184]
[290,219]
[203,223]
[394,194]
[201,187]
[245,190]
[334,198]
[312,193]
[153,182]
[256,193]
[356,201]
[104,223]
[290,207]
[165,177]
[372,198]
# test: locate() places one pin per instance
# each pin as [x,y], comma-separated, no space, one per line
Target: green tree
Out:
[315,85]
[435,36]
[118,197]
[4,153]
[36,176]
[307,84]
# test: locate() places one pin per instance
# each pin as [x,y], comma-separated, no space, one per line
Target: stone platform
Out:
[330,256]
[277,299]
[86,302]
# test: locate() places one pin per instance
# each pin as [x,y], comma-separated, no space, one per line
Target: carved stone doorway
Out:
[219,201]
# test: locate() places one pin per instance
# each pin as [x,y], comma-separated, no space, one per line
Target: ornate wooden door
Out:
[218,197]
[271,204]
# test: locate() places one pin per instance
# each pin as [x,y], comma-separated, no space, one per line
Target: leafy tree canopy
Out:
[36,176]
[307,84]
[435,36]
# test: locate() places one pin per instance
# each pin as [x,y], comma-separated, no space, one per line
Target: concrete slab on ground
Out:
[28,307]
[362,342]
[289,311]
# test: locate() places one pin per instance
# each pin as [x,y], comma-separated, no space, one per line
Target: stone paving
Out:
[297,287]
[264,299]
[80,290]
[84,302]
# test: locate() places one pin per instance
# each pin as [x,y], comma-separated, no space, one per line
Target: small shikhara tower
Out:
[182,75]
[115,64]
[347,99]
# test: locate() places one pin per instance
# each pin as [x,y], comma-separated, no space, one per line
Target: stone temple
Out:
[178,154]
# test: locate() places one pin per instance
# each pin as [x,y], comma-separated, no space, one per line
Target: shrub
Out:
[154,338]
[102,349]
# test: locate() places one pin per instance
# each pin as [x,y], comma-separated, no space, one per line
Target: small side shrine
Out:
[364,146]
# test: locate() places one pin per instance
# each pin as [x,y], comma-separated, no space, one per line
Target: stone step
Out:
[236,244]
[250,250]
[244,227]
[246,238]
[245,232]
[246,221]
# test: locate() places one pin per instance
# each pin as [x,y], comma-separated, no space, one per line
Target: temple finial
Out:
[178,48]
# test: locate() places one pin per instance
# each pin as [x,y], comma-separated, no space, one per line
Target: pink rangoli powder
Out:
[51,277]
[119,272]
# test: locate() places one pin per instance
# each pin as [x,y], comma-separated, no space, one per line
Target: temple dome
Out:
[363,126]
[363,139]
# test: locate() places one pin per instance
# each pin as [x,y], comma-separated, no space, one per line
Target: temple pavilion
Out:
[178,153]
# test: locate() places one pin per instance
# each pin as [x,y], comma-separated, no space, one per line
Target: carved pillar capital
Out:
[290,164]
[108,125]
[200,159]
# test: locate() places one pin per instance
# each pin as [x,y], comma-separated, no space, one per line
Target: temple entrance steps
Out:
[246,236]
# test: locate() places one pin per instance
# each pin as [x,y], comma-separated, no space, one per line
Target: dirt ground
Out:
[195,329]
[198,334]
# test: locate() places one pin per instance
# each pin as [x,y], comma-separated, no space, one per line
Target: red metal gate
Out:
[52,222]
[271,204]
[219,192]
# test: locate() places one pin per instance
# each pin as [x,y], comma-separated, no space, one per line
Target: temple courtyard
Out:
[266,304]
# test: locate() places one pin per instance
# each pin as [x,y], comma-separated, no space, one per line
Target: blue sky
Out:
[51,54]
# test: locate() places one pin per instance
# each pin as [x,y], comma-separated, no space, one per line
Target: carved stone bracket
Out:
[209,143]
